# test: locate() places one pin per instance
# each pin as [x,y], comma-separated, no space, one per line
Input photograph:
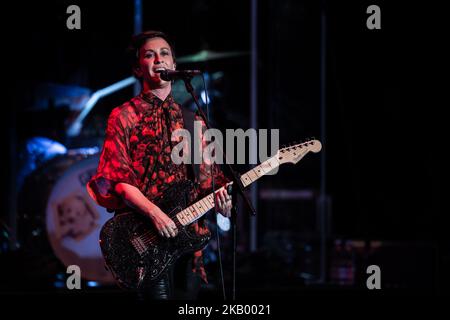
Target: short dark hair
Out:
[137,41]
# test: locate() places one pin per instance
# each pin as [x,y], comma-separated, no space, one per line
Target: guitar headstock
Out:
[294,152]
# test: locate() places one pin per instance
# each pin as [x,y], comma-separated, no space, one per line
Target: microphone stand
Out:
[237,188]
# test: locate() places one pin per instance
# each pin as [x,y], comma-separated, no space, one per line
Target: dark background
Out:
[384,121]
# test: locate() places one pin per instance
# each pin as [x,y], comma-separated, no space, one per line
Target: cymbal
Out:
[208,55]
[180,94]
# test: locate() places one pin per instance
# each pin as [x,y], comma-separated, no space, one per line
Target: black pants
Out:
[179,282]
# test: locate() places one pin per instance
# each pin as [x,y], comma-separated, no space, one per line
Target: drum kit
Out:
[57,219]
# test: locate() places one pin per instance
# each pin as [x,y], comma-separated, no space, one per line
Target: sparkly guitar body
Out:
[134,251]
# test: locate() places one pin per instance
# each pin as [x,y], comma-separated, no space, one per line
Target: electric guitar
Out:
[134,251]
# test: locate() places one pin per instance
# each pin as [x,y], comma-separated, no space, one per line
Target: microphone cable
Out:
[219,253]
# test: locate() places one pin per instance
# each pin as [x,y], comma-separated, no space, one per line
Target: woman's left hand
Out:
[223,201]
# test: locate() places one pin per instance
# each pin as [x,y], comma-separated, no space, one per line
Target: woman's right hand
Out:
[134,198]
[165,226]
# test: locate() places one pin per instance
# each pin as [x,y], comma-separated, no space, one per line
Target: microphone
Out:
[169,75]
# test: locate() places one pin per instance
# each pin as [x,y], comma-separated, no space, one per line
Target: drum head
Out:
[71,219]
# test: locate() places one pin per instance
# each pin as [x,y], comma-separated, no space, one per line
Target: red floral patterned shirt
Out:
[137,151]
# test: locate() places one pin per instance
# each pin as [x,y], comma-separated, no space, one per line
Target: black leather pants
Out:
[179,282]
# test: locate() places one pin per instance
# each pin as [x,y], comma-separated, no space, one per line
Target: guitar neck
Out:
[198,209]
[291,154]
[257,172]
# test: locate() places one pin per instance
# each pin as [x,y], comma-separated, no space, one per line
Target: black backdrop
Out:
[385,123]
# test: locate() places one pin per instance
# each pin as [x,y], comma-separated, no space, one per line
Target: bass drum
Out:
[60,221]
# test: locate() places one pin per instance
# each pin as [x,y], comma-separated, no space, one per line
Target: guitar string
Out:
[145,237]
[146,240]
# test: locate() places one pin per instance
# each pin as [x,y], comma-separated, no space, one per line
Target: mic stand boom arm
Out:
[234,176]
